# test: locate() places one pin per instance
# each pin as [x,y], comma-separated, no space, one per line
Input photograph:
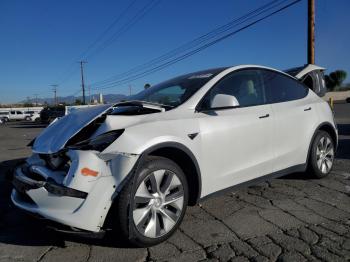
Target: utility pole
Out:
[311,32]
[36,99]
[82,79]
[89,94]
[54,89]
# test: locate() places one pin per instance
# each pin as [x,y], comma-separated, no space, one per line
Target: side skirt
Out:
[283,172]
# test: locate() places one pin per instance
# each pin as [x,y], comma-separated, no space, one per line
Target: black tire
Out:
[125,200]
[27,118]
[314,168]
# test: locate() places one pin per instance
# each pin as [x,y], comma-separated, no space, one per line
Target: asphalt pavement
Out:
[293,218]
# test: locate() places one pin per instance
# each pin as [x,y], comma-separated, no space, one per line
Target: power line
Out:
[72,67]
[115,21]
[126,27]
[191,44]
[231,26]
[139,15]
[188,54]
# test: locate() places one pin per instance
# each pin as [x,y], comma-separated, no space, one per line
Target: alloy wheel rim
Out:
[158,203]
[324,155]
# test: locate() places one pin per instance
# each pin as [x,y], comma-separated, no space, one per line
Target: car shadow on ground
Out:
[344,129]
[343,151]
[19,228]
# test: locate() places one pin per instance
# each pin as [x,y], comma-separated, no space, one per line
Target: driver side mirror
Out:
[224,101]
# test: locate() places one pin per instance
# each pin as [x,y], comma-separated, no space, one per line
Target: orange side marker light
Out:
[88,172]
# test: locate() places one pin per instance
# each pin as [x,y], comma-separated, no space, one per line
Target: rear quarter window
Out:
[281,88]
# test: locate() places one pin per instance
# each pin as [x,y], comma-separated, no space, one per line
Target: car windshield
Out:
[176,91]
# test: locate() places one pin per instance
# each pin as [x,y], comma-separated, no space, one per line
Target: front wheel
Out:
[151,206]
[321,155]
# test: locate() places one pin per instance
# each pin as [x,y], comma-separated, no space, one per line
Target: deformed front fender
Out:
[137,139]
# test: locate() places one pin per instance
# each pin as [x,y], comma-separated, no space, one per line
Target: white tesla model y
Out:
[142,161]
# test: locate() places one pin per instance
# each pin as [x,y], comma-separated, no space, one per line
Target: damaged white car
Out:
[143,161]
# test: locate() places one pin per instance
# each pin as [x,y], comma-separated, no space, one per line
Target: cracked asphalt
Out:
[293,218]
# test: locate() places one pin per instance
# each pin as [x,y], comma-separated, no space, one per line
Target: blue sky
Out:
[42,40]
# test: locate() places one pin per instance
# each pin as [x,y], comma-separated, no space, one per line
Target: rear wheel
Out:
[321,155]
[152,205]
[27,118]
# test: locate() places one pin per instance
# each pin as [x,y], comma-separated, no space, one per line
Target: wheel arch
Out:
[185,159]
[330,129]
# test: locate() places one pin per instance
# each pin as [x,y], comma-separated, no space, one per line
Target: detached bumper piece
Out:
[66,230]
[23,184]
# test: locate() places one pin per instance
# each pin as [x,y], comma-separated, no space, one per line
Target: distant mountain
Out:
[108,98]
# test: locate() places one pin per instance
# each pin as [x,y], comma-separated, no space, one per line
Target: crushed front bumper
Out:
[71,198]
[23,184]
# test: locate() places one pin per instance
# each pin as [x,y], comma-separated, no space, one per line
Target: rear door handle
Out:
[265,116]
[307,109]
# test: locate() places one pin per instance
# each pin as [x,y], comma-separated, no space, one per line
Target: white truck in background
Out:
[15,115]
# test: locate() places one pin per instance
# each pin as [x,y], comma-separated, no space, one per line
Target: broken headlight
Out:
[56,161]
[99,143]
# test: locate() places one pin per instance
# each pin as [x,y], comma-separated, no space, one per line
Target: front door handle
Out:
[307,109]
[265,116]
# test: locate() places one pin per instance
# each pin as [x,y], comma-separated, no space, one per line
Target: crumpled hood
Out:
[55,136]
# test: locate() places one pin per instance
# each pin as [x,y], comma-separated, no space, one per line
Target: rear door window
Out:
[281,88]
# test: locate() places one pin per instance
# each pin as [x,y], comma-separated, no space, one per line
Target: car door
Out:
[12,115]
[19,115]
[236,142]
[294,118]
